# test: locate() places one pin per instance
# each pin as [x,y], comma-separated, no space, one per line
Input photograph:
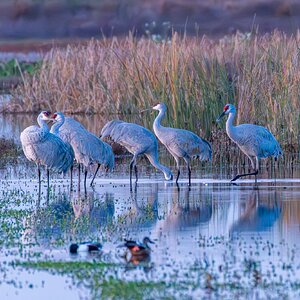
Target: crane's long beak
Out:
[221,116]
[150,241]
[141,111]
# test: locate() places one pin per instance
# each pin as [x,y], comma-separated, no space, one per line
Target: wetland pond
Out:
[212,240]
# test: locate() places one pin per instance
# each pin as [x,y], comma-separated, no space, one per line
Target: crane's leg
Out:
[136,173]
[257,168]
[190,173]
[243,175]
[39,174]
[133,164]
[130,173]
[178,168]
[95,174]
[78,177]
[274,167]
[71,184]
[48,179]
[40,186]
[85,175]
[187,160]
[254,166]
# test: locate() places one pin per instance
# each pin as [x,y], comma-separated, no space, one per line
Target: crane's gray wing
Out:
[51,152]
[30,137]
[88,148]
[184,143]
[32,134]
[257,141]
[135,138]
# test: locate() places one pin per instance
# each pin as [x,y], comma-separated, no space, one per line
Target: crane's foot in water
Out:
[243,175]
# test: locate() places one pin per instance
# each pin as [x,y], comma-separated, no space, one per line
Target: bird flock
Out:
[68,140]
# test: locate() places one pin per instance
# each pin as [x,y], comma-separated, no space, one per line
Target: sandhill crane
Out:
[180,143]
[255,141]
[45,148]
[88,148]
[137,140]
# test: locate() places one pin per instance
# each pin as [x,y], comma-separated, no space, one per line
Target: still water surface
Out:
[212,239]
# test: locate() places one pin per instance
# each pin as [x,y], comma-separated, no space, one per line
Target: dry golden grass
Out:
[195,77]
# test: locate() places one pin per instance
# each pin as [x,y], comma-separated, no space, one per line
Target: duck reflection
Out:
[260,213]
[142,261]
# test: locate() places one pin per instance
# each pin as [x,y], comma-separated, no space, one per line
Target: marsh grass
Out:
[8,148]
[195,77]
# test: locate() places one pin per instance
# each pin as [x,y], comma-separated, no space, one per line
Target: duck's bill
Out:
[221,116]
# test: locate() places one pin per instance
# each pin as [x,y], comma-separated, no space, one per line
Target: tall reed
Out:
[195,77]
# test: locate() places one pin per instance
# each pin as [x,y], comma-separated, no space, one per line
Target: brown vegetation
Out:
[195,77]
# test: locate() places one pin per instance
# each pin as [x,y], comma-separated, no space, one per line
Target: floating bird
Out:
[255,141]
[137,140]
[45,148]
[88,148]
[85,247]
[180,143]
[137,248]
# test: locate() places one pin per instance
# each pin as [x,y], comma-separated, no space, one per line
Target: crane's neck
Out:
[157,127]
[55,127]
[153,158]
[230,128]
[42,123]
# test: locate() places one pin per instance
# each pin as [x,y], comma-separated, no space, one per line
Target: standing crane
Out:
[45,148]
[255,141]
[181,143]
[88,148]
[137,140]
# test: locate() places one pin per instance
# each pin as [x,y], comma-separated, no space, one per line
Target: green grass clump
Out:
[94,276]
[8,148]
[63,266]
[15,68]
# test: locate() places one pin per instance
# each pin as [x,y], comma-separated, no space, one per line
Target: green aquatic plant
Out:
[15,68]
[94,275]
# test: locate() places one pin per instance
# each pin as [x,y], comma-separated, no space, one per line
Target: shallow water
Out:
[212,240]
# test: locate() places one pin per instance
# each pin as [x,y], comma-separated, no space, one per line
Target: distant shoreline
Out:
[65,19]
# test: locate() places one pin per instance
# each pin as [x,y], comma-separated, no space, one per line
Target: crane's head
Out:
[228,108]
[45,115]
[160,106]
[58,117]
